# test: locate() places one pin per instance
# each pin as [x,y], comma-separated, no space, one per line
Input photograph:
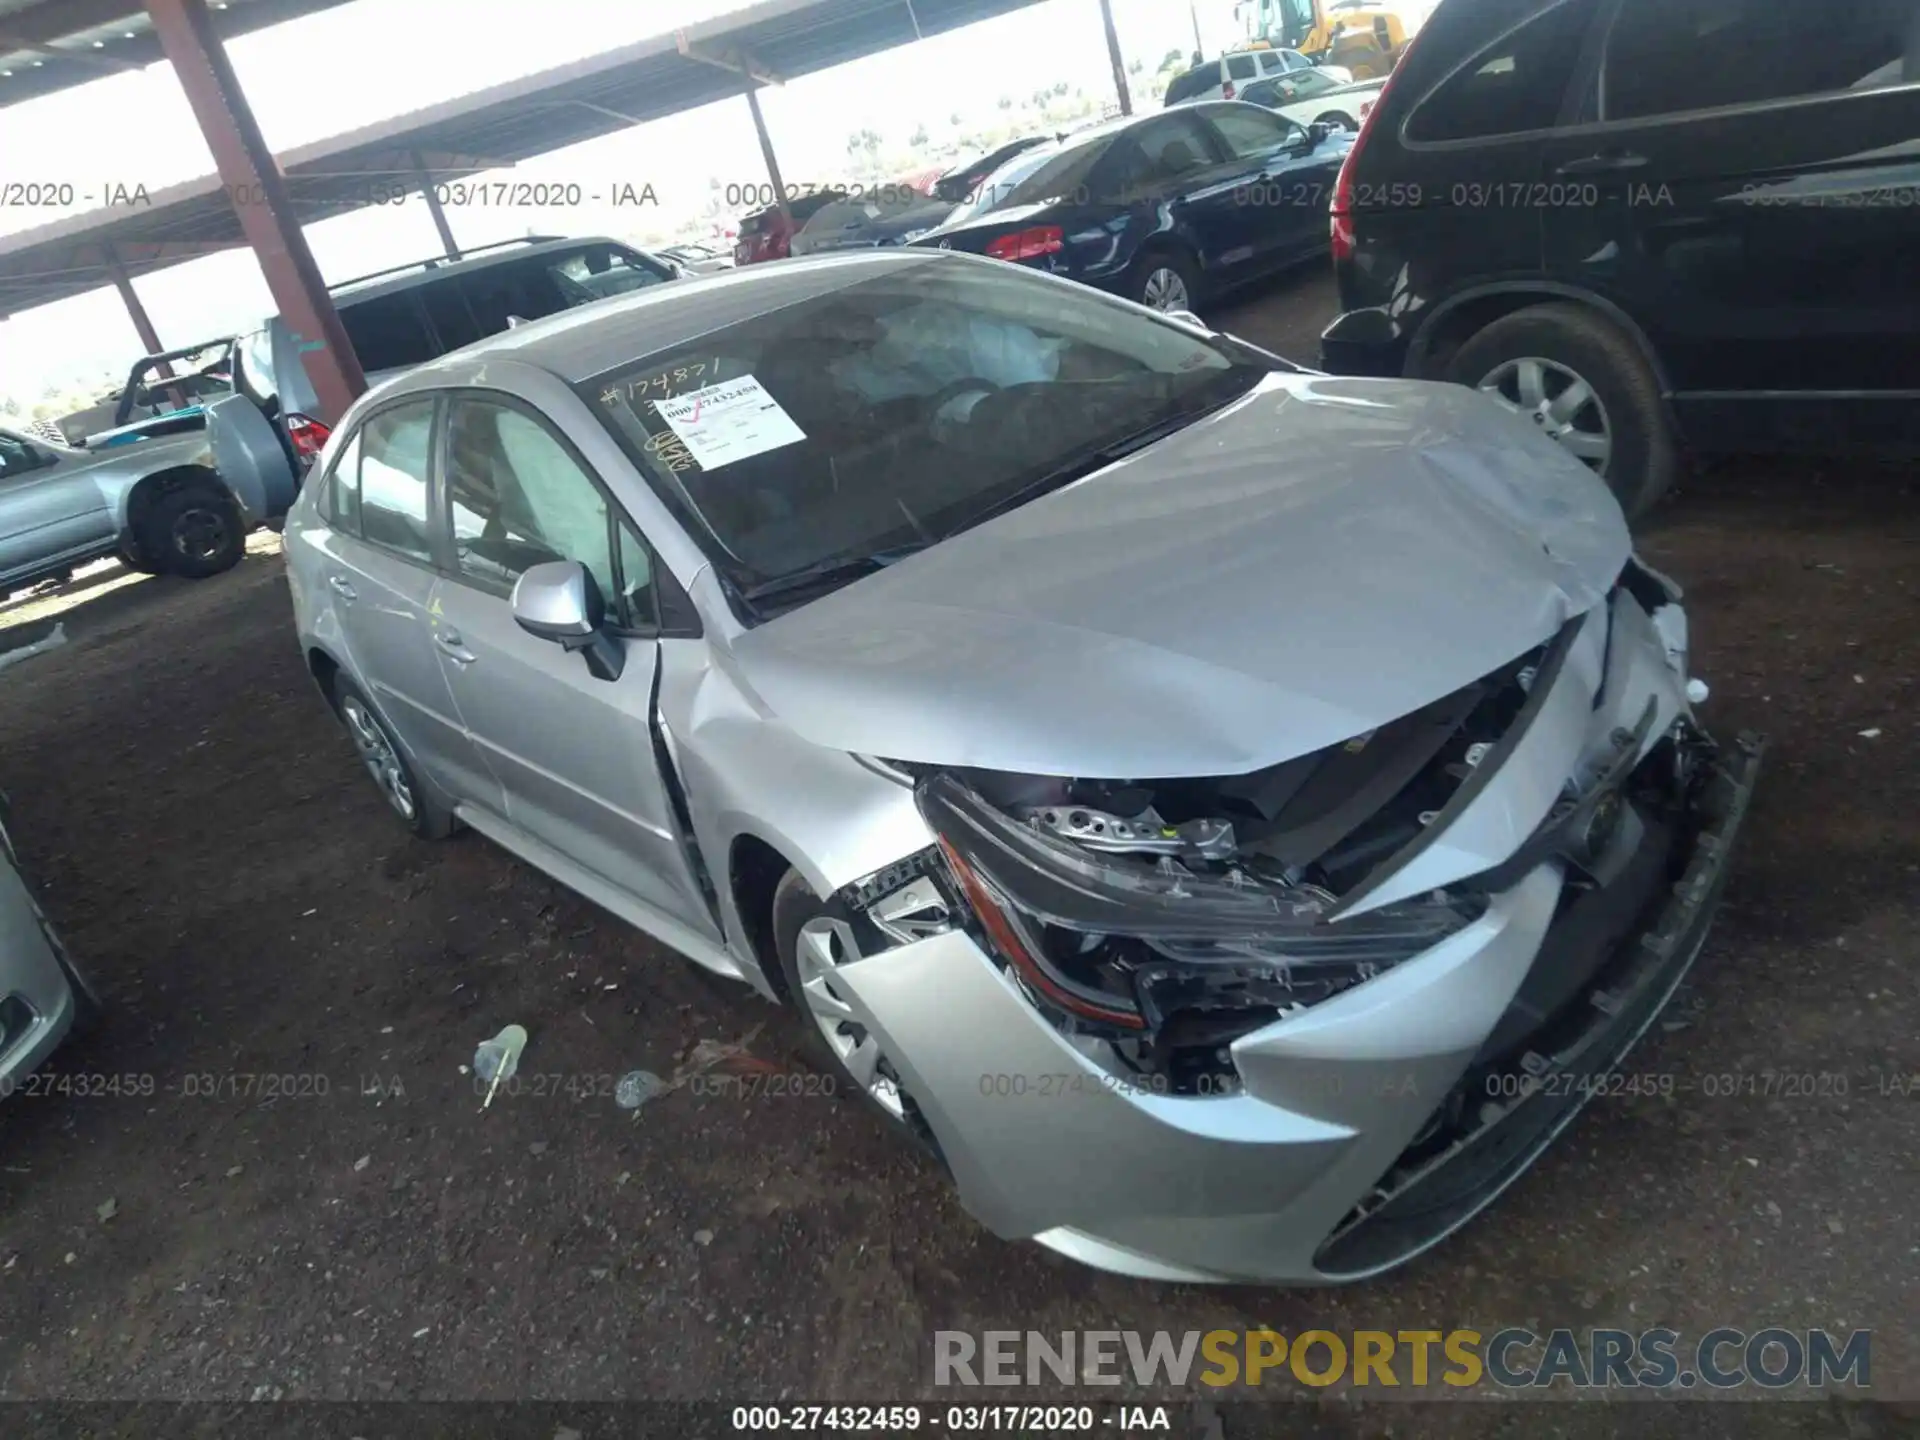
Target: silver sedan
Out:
[1231,815]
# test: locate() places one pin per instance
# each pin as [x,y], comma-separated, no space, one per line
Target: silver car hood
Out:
[1322,556]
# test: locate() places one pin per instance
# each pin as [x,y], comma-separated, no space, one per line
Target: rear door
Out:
[48,506]
[575,754]
[1750,193]
[1174,173]
[377,564]
[1285,182]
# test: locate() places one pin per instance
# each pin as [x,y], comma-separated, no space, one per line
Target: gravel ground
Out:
[359,1229]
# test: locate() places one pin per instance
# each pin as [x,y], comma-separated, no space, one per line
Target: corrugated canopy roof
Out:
[490,128]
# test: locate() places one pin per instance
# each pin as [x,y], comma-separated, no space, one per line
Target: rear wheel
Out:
[1585,385]
[195,532]
[386,764]
[1335,120]
[1162,280]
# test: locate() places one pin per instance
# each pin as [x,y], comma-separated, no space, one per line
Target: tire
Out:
[134,558]
[1145,276]
[194,532]
[1335,120]
[412,803]
[795,907]
[1642,457]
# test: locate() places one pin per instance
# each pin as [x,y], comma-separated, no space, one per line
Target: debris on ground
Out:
[107,1209]
[636,1088]
[703,1237]
[362,1163]
[708,1054]
[497,1060]
[54,640]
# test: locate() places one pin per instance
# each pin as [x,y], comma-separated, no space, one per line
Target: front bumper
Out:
[1324,1167]
[37,1005]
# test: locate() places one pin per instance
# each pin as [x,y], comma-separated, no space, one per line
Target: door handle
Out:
[449,641]
[1607,164]
[340,587]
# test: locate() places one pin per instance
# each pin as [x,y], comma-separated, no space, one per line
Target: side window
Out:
[388,333]
[501,291]
[17,457]
[1241,67]
[447,308]
[639,601]
[1667,56]
[602,271]
[1513,86]
[394,446]
[519,499]
[1272,62]
[1251,132]
[341,504]
[1155,158]
[254,355]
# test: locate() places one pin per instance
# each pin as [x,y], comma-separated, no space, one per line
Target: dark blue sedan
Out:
[1167,209]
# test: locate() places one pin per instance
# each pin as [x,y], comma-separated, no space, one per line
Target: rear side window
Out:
[453,323]
[601,271]
[1241,67]
[1154,158]
[523,288]
[1669,56]
[254,355]
[394,446]
[389,332]
[1250,131]
[341,505]
[1272,62]
[1513,86]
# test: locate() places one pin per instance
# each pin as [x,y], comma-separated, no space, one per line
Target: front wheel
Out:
[1335,120]
[814,937]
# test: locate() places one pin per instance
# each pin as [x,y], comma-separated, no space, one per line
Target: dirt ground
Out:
[359,1229]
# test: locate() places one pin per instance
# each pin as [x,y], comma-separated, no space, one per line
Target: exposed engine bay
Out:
[1160,920]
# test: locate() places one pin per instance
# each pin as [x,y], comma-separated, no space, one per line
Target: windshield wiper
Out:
[834,571]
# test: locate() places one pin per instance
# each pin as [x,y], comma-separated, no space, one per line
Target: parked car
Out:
[1646,227]
[1205,800]
[767,234]
[900,214]
[159,504]
[43,996]
[1310,98]
[697,259]
[1223,79]
[265,436]
[1165,209]
[164,394]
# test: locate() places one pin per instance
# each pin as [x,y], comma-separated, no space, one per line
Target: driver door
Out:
[48,506]
[575,755]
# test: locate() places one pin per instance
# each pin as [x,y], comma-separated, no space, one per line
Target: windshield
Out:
[1051,172]
[899,410]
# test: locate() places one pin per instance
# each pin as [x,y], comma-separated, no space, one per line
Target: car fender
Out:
[249,457]
[1420,344]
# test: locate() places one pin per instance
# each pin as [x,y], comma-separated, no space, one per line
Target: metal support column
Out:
[1113,54]
[766,149]
[259,195]
[142,326]
[433,206]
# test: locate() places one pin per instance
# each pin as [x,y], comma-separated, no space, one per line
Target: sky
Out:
[369,60]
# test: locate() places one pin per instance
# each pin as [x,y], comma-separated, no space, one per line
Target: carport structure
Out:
[258,199]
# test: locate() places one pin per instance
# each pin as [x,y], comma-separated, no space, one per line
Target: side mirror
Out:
[560,601]
[1317,133]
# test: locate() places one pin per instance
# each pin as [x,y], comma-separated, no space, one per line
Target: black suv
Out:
[1647,224]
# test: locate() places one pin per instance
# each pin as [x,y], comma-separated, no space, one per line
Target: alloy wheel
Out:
[199,534]
[821,947]
[1165,290]
[380,758]
[1559,402]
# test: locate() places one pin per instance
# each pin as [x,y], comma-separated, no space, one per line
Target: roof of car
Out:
[593,339]
[373,287]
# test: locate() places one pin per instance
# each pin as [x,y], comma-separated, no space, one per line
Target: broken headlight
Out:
[1130,942]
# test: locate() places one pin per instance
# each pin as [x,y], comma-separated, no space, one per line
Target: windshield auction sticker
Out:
[728,421]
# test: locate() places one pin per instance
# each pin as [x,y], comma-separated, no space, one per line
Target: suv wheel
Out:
[814,937]
[386,764]
[1584,385]
[194,531]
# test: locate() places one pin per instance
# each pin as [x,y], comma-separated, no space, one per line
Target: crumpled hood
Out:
[1322,556]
